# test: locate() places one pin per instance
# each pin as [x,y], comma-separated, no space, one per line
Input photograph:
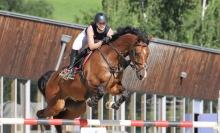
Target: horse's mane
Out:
[128,30]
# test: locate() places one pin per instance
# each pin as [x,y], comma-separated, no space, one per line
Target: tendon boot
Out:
[73,57]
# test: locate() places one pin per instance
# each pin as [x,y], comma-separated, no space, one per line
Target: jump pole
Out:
[92,122]
[137,123]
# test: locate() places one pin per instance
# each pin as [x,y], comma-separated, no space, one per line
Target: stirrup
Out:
[71,74]
[64,74]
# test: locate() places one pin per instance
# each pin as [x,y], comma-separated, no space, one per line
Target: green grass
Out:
[65,10]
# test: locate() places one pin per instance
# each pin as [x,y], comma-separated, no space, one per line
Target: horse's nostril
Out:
[140,77]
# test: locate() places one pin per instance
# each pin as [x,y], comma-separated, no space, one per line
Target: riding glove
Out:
[105,40]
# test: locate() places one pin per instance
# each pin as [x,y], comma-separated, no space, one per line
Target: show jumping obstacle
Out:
[89,122]
[137,123]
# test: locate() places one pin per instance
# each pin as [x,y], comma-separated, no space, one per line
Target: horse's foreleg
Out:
[117,90]
[93,102]
[124,96]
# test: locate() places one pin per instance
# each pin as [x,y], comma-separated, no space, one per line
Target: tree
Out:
[179,20]
[210,25]
[38,8]
[123,12]
[11,5]
[87,17]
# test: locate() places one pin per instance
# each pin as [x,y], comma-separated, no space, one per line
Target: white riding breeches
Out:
[81,41]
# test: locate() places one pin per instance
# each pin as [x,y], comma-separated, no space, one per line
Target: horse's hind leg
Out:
[59,116]
[55,105]
[117,90]
[93,102]
[53,108]
[72,111]
[42,127]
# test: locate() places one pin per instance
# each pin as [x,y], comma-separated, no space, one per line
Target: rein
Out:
[112,69]
[124,63]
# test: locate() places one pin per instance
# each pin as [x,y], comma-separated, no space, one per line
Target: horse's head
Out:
[138,54]
[131,41]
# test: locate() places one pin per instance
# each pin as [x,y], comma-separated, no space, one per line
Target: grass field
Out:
[65,10]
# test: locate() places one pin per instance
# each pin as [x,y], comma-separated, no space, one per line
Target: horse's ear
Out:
[150,37]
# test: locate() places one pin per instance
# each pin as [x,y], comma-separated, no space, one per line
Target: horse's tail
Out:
[43,81]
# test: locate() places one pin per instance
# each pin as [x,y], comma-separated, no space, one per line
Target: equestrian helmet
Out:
[101,18]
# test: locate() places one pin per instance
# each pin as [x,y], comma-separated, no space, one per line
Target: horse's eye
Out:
[137,53]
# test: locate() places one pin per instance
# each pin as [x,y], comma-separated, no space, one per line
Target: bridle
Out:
[134,57]
[124,63]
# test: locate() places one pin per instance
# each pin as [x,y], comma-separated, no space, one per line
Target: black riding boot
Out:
[73,56]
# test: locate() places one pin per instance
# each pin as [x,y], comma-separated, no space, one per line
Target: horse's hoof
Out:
[39,114]
[91,103]
[115,106]
[89,99]
[109,104]
[43,131]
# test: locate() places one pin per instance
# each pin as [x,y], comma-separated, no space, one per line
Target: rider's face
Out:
[101,26]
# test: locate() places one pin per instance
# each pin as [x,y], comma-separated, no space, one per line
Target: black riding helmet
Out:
[101,18]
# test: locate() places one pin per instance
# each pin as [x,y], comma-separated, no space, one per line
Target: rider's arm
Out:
[110,33]
[90,38]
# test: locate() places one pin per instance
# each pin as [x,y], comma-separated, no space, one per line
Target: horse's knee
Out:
[125,94]
[101,90]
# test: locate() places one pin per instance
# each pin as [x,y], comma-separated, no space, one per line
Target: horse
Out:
[102,73]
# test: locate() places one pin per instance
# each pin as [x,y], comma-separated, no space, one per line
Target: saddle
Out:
[81,59]
[78,64]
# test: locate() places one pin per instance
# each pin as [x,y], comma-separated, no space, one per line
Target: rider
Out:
[94,35]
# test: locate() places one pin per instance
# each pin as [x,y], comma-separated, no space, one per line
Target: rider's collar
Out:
[99,31]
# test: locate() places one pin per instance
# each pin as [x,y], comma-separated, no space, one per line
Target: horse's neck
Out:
[124,43]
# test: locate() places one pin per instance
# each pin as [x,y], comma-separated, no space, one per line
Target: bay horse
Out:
[102,73]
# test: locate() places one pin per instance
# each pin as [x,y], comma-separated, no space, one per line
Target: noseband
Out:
[135,54]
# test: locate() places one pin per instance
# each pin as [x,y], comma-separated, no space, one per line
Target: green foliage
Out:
[121,13]
[179,20]
[210,26]
[86,17]
[36,8]
[11,5]
[185,23]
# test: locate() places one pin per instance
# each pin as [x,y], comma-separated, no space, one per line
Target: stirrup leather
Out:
[71,74]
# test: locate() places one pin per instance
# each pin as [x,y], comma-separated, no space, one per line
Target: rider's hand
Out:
[105,40]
